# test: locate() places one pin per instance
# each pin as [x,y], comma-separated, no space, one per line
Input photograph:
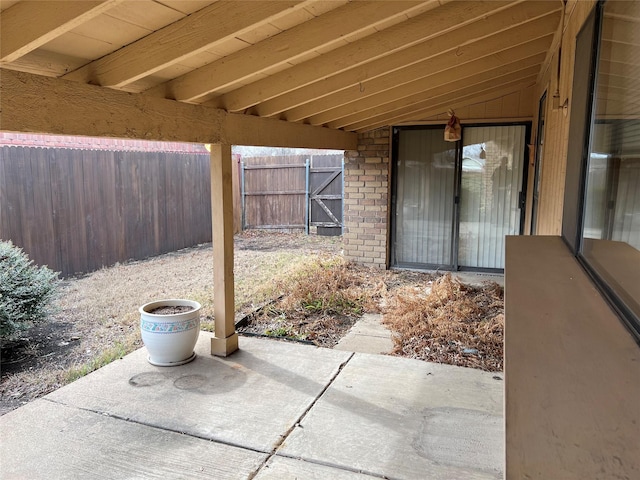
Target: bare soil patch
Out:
[289,286]
[170,310]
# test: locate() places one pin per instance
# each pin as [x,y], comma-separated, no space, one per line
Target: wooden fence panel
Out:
[12,212]
[326,197]
[274,196]
[197,196]
[43,237]
[99,204]
[79,210]
[67,196]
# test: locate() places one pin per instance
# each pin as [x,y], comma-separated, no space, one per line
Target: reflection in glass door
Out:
[537,171]
[424,198]
[490,193]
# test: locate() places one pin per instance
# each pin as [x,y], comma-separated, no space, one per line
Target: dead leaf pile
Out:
[451,323]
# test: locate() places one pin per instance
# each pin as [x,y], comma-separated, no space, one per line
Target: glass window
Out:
[610,241]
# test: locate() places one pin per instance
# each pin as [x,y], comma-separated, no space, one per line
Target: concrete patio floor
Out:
[273,410]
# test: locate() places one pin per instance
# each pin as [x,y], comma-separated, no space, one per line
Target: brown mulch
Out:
[433,317]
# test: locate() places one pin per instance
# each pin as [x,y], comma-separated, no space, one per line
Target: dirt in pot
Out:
[171,310]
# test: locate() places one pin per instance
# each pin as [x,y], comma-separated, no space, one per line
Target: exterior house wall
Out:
[554,158]
[367,186]
[366,199]
[367,170]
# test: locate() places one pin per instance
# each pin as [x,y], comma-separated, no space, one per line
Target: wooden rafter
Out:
[526,21]
[29,25]
[509,73]
[340,64]
[320,32]
[386,42]
[440,105]
[514,58]
[180,40]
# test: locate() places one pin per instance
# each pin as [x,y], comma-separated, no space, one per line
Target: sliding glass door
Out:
[490,194]
[424,199]
[453,203]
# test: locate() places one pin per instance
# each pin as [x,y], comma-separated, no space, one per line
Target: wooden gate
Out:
[293,192]
[273,194]
[325,196]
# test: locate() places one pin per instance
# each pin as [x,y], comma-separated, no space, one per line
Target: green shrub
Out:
[26,291]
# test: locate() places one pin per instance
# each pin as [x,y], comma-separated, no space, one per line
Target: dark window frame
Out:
[629,318]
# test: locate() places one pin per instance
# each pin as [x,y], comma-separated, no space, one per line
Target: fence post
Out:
[307,213]
[242,221]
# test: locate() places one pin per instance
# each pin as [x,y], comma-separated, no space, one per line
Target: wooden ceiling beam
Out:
[513,72]
[182,39]
[439,105]
[26,26]
[319,32]
[386,42]
[417,78]
[38,104]
[521,21]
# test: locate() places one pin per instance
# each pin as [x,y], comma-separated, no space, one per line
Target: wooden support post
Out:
[225,341]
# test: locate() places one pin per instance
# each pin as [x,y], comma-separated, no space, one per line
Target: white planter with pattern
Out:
[170,339]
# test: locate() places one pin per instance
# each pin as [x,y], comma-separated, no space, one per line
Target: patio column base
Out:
[221,347]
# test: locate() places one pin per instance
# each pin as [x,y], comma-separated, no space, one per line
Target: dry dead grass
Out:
[320,303]
[449,323]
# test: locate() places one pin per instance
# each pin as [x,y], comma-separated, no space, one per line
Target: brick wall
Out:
[366,194]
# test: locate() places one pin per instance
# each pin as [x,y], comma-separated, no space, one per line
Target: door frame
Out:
[537,165]
[393,203]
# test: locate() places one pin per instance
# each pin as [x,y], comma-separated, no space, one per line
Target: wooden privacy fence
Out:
[79,210]
[295,193]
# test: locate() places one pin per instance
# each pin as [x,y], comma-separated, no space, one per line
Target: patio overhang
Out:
[64,107]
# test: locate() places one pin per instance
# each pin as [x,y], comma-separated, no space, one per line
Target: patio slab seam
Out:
[337,466]
[155,427]
[297,422]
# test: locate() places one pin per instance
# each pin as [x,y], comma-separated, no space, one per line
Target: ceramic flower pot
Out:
[170,330]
